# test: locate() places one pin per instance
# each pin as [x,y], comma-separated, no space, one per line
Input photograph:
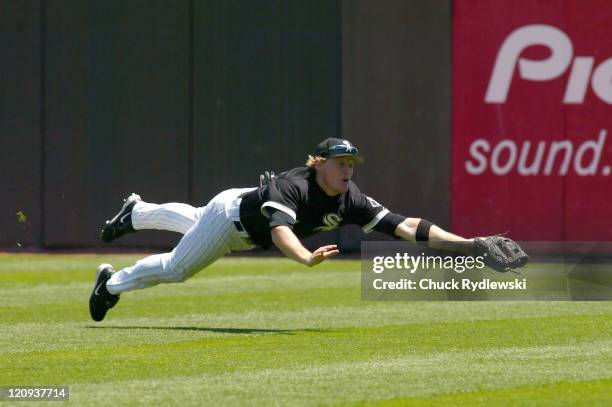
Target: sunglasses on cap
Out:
[341,149]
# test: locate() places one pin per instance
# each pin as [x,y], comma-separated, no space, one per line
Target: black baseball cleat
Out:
[101,300]
[121,224]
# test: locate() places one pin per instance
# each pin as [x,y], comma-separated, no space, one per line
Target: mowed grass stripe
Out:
[152,348]
[563,393]
[210,293]
[235,284]
[134,306]
[369,380]
[60,269]
[25,337]
[164,307]
[345,304]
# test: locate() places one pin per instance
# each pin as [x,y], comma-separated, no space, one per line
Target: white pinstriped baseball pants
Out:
[209,233]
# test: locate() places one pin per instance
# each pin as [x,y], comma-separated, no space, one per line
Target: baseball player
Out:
[283,210]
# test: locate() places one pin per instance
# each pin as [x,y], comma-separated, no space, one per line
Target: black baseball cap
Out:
[336,147]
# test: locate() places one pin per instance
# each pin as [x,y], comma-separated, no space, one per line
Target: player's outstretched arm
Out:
[288,243]
[500,253]
[438,238]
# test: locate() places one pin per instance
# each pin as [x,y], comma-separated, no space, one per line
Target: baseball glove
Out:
[500,253]
[266,178]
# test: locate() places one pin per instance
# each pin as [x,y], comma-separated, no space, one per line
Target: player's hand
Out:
[322,253]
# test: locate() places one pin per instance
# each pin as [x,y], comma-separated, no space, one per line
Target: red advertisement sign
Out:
[532,119]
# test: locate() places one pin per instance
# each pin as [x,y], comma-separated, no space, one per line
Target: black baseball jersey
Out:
[295,199]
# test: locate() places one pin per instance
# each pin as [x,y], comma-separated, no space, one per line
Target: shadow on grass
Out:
[217,330]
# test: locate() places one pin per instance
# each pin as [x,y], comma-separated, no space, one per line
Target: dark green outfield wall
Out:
[396,73]
[178,100]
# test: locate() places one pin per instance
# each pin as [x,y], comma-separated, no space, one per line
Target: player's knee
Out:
[181,278]
[176,275]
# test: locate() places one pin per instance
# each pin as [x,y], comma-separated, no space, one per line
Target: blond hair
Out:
[312,160]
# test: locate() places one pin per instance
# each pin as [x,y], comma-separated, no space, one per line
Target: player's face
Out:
[335,174]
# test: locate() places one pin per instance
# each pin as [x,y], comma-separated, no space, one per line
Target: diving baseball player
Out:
[290,207]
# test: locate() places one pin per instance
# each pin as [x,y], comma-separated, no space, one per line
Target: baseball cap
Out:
[336,147]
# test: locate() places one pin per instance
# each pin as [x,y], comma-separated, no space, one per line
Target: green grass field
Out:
[269,331]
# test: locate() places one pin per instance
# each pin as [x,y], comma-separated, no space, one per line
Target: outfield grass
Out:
[266,331]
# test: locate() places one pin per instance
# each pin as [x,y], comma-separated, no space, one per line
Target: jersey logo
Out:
[330,222]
